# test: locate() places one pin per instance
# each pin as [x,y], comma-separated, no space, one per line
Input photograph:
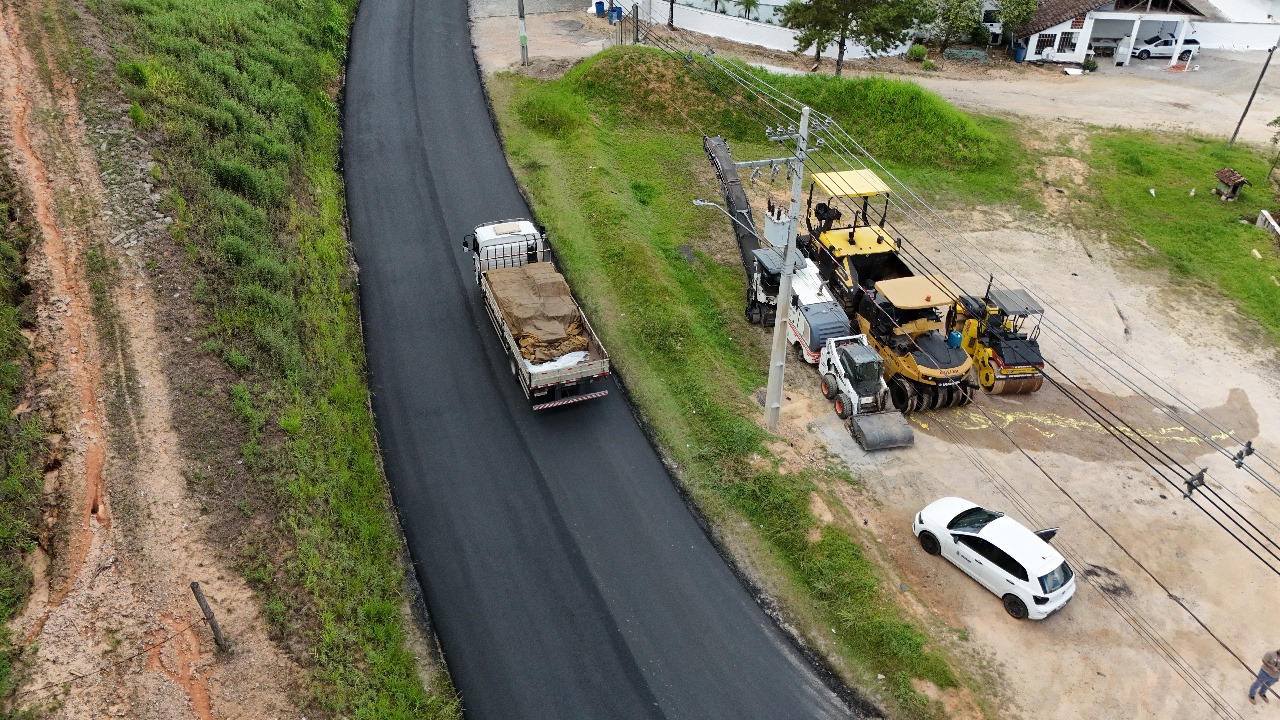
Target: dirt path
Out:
[111,601]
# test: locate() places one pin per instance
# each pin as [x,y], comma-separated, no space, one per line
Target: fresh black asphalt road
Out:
[564,574]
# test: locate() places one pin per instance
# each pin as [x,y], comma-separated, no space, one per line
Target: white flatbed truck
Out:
[553,352]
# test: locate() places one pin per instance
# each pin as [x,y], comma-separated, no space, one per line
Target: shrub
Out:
[916,53]
[1089,64]
[929,65]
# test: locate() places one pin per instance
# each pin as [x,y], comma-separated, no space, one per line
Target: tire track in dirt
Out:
[118,581]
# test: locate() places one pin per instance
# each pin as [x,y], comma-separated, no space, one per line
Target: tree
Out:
[811,19]
[877,24]
[748,7]
[956,19]
[1016,14]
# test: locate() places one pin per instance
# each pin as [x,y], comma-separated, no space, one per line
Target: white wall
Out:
[1051,53]
[1235,36]
[738,29]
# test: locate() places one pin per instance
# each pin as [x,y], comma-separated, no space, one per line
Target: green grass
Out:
[1199,237]
[22,445]
[615,195]
[929,144]
[238,96]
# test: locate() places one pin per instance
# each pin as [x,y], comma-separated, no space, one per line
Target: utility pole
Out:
[778,358]
[524,38]
[1256,85]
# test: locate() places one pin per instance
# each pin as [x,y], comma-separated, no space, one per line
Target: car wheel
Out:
[829,387]
[1144,54]
[1015,607]
[1185,56]
[931,544]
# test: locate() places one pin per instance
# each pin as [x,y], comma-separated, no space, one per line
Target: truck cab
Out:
[509,243]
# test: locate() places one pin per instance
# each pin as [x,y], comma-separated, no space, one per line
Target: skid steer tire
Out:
[829,387]
[844,406]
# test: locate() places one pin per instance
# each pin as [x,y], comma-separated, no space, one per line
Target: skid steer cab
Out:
[853,379]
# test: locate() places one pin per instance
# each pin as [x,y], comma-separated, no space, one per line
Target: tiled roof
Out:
[1231,177]
[1052,12]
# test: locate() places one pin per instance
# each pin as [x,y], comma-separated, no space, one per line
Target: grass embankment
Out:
[611,166]
[239,99]
[1199,236]
[21,432]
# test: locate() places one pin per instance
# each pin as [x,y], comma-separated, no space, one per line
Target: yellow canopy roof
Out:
[913,293]
[851,183]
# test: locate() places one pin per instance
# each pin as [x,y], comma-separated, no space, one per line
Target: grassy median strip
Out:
[22,443]
[611,167]
[238,96]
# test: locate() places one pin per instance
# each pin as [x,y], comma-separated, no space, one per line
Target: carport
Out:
[1121,30]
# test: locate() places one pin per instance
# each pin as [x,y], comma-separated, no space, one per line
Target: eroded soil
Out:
[112,624]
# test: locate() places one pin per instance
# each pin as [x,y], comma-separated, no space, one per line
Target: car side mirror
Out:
[468,240]
[1047,534]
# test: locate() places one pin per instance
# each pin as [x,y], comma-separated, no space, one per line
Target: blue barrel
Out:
[615,14]
[599,8]
[1019,51]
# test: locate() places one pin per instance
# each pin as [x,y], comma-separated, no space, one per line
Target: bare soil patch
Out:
[112,603]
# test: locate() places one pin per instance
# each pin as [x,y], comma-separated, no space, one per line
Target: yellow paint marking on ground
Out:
[967,419]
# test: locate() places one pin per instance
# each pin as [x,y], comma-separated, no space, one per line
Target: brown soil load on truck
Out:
[539,309]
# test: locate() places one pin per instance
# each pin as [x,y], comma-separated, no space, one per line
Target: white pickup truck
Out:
[552,349]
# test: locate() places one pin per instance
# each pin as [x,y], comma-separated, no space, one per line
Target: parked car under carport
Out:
[1163,45]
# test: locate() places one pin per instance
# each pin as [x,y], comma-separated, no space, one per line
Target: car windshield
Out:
[1153,40]
[973,519]
[1056,579]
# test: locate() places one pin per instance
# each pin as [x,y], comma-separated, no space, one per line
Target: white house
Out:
[1070,30]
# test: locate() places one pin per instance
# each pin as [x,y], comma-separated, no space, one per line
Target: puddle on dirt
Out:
[1050,421]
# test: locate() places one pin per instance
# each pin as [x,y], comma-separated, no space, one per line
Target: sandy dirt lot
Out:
[1167,620]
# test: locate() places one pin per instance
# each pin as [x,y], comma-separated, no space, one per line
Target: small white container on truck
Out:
[552,349]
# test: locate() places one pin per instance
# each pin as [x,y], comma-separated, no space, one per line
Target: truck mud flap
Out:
[570,399]
[881,431]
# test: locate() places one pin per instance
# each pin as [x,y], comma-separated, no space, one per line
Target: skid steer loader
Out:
[853,379]
[1006,360]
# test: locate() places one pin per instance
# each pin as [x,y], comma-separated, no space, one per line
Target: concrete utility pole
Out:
[524,38]
[778,358]
[1256,85]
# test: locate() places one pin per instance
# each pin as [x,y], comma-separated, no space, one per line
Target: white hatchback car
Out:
[1019,566]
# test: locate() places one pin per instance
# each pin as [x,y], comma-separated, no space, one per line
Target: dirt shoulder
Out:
[112,624]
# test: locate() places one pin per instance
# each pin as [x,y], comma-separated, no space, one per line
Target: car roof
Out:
[1011,536]
[944,509]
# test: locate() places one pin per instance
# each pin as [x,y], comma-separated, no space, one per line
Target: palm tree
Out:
[748,7]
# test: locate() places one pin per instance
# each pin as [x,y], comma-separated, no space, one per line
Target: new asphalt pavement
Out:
[563,572]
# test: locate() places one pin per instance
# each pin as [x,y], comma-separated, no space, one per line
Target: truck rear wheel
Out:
[829,387]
